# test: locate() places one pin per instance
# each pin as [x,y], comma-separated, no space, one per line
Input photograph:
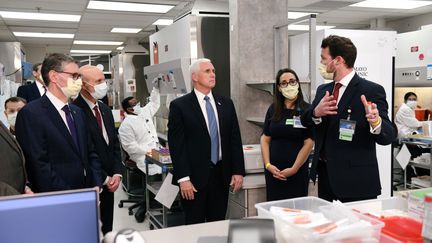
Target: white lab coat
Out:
[138,133]
[406,121]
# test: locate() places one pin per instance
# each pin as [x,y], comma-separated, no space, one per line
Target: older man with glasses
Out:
[52,133]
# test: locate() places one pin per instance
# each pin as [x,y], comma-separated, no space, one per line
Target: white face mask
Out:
[11,118]
[72,88]
[412,104]
[324,73]
[100,90]
[290,92]
[137,109]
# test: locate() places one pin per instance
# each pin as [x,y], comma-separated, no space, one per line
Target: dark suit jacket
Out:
[190,144]
[29,92]
[109,154]
[352,166]
[12,171]
[53,160]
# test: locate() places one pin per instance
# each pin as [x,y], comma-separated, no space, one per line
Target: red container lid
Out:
[403,229]
[428,198]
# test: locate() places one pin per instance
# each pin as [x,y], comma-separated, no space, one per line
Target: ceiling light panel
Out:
[40,16]
[131,7]
[43,35]
[91,51]
[105,43]
[125,30]
[163,22]
[392,4]
[296,15]
[306,27]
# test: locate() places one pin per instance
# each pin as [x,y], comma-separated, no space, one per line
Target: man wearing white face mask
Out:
[405,119]
[137,132]
[12,106]
[53,134]
[100,123]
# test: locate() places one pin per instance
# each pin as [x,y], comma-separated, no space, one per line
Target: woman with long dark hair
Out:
[285,143]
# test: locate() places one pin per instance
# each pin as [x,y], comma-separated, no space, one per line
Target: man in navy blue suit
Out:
[100,124]
[52,132]
[35,90]
[350,116]
[205,146]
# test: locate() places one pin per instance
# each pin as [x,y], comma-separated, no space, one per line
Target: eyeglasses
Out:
[284,83]
[75,76]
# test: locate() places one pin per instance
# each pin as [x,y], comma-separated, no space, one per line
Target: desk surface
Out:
[213,232]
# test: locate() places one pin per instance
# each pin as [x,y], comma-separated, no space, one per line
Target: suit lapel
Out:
[220,112]
[35,89]
[196,107]
[106,124]
[4,132]
[57,121]
[80,132]
[89,113]
[348,94]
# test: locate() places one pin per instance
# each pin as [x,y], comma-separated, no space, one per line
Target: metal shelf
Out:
[423,166]
[421,141]
[172,219]
[154,187]
[265,86]
[259,121]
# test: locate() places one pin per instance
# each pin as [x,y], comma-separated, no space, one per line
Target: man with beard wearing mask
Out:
[286,171]
[100,123]
[12,106]
[53,134]
[350,116]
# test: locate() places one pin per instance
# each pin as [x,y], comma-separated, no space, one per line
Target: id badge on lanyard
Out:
[347,128]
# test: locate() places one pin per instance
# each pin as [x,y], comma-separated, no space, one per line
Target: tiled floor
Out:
[122,219]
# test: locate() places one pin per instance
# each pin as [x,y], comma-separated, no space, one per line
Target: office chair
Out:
[136,194]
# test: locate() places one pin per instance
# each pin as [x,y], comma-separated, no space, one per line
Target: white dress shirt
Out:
[58,104]
[138,133]
[92,105]
[406,121]
[40,88]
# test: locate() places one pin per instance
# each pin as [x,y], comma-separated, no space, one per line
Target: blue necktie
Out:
[71,125]
[214,138]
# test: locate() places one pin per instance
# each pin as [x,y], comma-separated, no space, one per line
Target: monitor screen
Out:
[67,217]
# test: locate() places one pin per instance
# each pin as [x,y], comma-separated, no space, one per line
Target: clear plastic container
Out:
[302,203]
[427,220]
[288,232]
[391,206]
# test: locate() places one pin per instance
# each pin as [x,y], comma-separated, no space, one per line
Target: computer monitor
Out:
[65,216]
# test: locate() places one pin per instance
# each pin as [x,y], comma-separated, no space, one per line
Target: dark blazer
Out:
[190,144]
[12,171]
[109,154]
[29,92]
[53,161]
[352,166]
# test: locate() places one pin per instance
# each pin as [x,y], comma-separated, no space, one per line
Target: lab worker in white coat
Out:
[137,131]
[405,119]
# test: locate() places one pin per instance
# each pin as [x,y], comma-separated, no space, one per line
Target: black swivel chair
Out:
[133,184]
